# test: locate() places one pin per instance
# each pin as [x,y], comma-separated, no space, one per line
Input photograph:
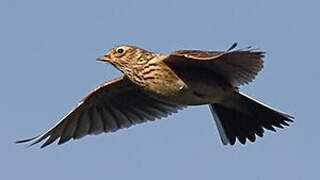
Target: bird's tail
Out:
[242,117]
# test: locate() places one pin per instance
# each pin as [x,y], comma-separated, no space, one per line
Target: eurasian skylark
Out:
[156,85]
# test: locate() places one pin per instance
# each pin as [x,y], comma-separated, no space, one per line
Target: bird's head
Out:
[126,58]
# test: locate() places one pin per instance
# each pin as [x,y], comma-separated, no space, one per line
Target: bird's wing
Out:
[111,106]
[237,67]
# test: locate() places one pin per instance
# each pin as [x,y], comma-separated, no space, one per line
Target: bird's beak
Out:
[103,58]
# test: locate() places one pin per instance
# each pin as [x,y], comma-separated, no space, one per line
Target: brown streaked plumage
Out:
[156,85]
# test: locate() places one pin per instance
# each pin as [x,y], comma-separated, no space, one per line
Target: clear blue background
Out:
[48,51]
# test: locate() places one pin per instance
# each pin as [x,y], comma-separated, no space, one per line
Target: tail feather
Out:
[244,118]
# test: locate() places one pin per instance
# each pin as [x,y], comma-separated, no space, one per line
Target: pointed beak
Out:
[103,58]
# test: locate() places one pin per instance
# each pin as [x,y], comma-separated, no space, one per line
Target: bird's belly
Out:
[198,93]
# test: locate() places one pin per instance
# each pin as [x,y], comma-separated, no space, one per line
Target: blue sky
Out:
[48,51]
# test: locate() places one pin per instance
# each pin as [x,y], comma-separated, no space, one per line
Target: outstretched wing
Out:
[111,106]
[237,67]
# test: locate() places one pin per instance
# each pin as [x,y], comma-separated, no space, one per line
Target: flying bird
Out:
[156,85]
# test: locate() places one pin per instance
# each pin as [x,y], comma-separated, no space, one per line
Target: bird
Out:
[155,85]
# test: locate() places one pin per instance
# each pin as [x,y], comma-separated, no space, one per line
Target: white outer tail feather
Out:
[222,133]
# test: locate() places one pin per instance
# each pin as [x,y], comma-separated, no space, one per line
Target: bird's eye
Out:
[120,50]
